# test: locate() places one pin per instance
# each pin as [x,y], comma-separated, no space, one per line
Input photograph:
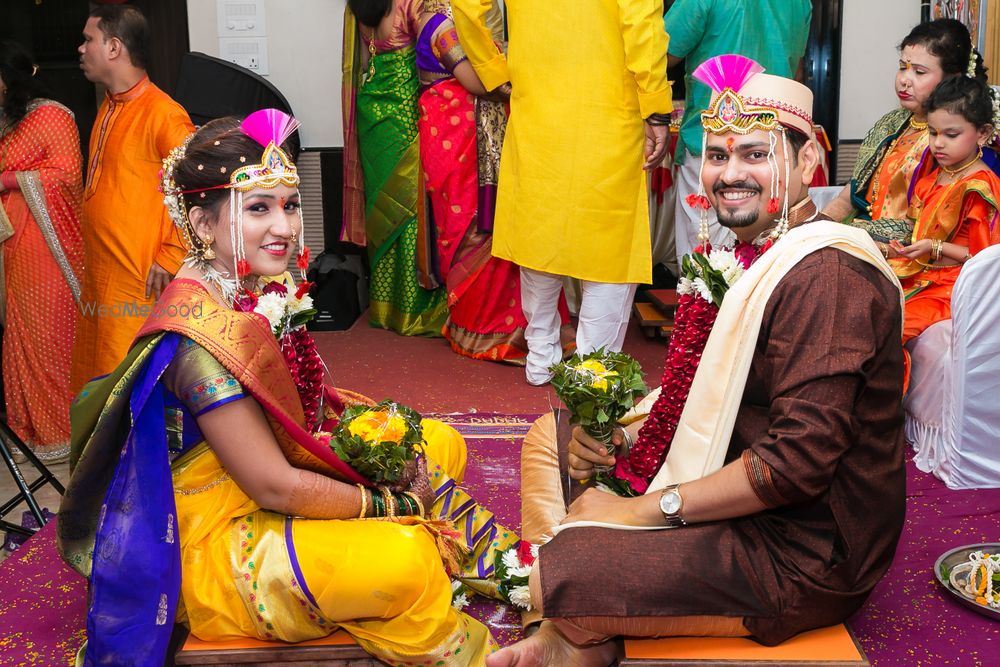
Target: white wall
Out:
[871,32]
[304,52]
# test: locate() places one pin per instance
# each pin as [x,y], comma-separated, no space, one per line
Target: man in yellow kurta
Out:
[572,192]
[131,249]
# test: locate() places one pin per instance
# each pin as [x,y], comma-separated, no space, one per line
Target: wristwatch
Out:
[671,503]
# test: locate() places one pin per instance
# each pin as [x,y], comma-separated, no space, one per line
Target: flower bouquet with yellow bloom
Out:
[380,441]
[598,388]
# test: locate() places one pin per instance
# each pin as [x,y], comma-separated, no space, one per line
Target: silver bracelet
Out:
[627,442]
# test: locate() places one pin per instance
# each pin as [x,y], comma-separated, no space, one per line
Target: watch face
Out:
[670,502]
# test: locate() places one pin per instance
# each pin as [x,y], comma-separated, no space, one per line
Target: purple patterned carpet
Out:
[909,619]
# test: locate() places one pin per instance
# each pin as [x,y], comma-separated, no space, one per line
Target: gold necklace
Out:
[917,125]
[965,166]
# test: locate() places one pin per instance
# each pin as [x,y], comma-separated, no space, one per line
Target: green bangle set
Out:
[399,504]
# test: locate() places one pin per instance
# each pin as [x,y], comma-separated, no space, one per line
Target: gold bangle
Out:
[364,501]
[937,247]
[420,505]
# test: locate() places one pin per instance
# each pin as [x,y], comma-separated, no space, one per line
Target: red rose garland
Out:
[306,367]
[693,324]
[695,318]
[297,347]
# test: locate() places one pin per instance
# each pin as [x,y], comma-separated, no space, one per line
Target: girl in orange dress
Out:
[42,256]
[890,154]
[953,204]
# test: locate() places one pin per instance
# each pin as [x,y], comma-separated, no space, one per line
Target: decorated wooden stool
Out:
[835,646]
[337,650]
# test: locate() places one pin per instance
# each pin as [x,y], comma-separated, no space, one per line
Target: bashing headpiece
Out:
[270,128]
[744,100]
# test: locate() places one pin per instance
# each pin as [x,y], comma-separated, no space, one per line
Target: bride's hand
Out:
[420,486]
[405,479]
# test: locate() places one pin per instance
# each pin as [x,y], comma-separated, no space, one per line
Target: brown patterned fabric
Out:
[822,414]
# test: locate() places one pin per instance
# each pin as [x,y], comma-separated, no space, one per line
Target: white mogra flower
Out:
[272,306]
[520,571]
[702,289]
[460,602]
[685,286]
[725,262]
[733,273]
[720,259]
[511,560]
[520,596]
[296,306]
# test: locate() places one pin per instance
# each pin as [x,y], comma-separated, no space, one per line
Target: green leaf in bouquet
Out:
[619,486]
[302,317]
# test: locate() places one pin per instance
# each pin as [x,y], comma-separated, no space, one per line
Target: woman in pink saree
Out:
[461,132]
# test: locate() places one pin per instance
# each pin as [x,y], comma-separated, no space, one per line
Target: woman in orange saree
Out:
[461,134]
[42,256]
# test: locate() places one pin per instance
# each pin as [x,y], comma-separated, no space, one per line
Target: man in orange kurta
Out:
[131,248]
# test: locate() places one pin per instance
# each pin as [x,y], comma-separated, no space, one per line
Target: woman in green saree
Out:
[383,190]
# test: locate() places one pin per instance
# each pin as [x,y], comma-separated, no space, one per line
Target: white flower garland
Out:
[989,565]
[512,576]
[459,598]
[281,309]
[722,260]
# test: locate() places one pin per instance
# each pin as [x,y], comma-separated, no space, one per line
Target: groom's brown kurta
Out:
[821,424]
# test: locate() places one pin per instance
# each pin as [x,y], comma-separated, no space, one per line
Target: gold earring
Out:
[208,254]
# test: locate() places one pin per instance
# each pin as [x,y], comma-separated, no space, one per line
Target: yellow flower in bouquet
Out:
[378,426]
[378,441]
[598,388]
[598,371]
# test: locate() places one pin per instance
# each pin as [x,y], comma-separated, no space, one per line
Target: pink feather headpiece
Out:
[270,128]
[728,71]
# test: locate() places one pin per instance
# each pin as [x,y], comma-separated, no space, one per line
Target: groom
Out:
[768,541]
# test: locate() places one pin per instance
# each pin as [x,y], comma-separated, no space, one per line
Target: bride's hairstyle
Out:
[18,73]
[950,42]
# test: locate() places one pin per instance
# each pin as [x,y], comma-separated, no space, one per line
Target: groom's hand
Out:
[585,452]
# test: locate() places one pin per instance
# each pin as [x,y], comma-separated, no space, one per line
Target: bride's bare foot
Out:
[548,647]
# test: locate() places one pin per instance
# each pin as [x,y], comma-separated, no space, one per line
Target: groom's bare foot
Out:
[548,647]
